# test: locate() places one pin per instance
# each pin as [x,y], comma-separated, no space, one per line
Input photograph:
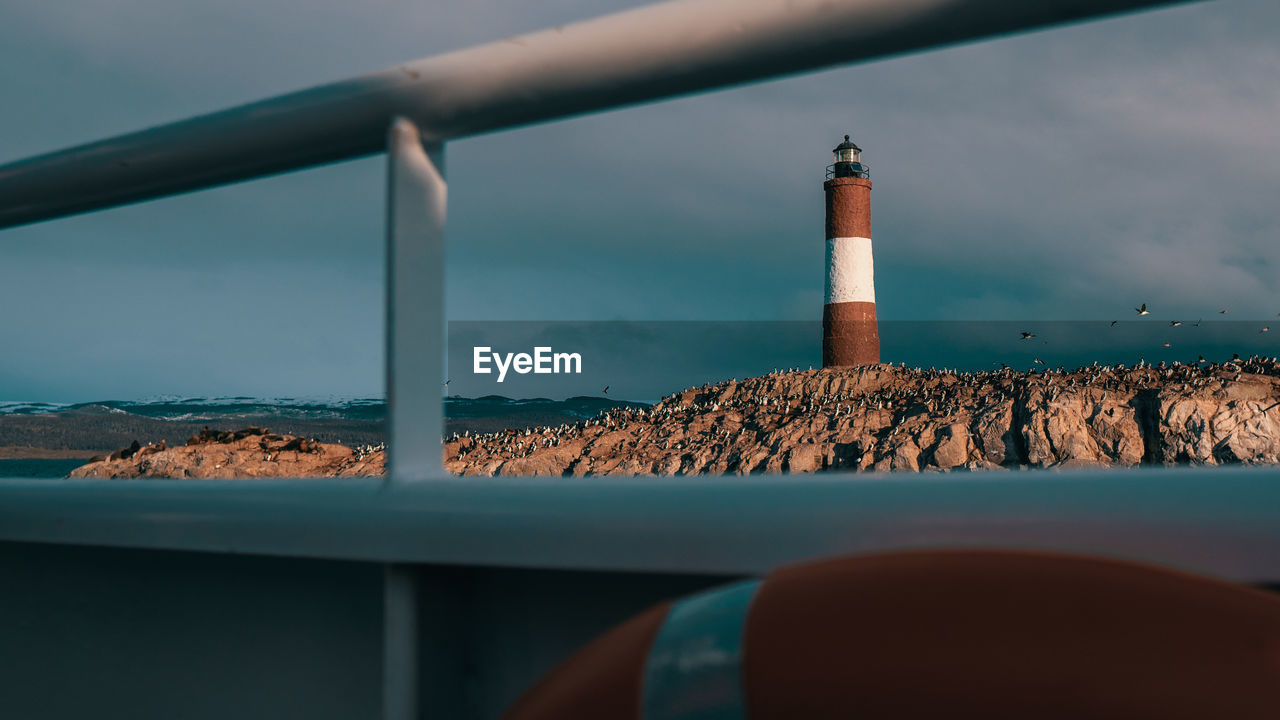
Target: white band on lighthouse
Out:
[850,277]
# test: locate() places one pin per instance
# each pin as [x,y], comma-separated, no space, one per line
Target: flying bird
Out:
[1165,345]
[1142,310]
[1200,359]
[1113,323]
[1174,323]
[1198,322]
[1222,312]
[1265,329]
[605,390]
[1027,335]
[1038,361]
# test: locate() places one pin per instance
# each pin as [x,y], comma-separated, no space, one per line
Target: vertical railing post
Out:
[417,196]
[400,643]
[416,199]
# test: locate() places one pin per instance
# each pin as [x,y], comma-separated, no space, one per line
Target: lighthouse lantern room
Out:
[848,161]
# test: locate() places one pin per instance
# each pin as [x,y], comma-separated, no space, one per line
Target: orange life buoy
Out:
[984,634]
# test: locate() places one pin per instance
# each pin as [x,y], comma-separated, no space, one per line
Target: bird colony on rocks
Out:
[886,417]
[248,453]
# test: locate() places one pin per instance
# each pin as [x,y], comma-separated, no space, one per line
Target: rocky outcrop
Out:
[248,453]
[883,417]
[870,418]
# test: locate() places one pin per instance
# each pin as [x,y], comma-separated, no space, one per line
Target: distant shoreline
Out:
[83,431]
[26,452]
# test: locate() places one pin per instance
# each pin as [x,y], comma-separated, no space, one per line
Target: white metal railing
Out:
[714,526]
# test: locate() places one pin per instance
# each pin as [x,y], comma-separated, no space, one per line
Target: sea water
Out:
[38,468]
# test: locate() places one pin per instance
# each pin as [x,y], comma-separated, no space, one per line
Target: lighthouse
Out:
[849,332]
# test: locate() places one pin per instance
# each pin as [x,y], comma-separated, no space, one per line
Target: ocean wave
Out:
[18,407]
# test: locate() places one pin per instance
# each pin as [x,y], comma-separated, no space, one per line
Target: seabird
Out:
[1222,312]
[1038,361]
[1165,345]
[605,390]
[1142,310]
[1197,324]
[1265,328]
[1113,323]
[1174,323]
[1200,359]
[1027,335]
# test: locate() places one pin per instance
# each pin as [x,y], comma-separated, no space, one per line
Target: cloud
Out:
[1065,174]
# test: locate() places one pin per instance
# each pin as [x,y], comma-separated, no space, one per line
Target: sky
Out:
[1067,174]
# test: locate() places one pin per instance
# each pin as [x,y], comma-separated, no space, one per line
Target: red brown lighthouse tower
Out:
[849,332]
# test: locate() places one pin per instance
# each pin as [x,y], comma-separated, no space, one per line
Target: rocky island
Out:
[248,453]
[884,417]
[869,418]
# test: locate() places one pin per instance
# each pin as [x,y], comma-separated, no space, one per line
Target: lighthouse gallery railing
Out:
[714,526]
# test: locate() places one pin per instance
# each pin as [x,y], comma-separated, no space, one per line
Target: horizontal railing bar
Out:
[1222,521]
[649,53]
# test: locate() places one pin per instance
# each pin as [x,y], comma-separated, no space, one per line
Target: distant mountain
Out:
[225,408]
